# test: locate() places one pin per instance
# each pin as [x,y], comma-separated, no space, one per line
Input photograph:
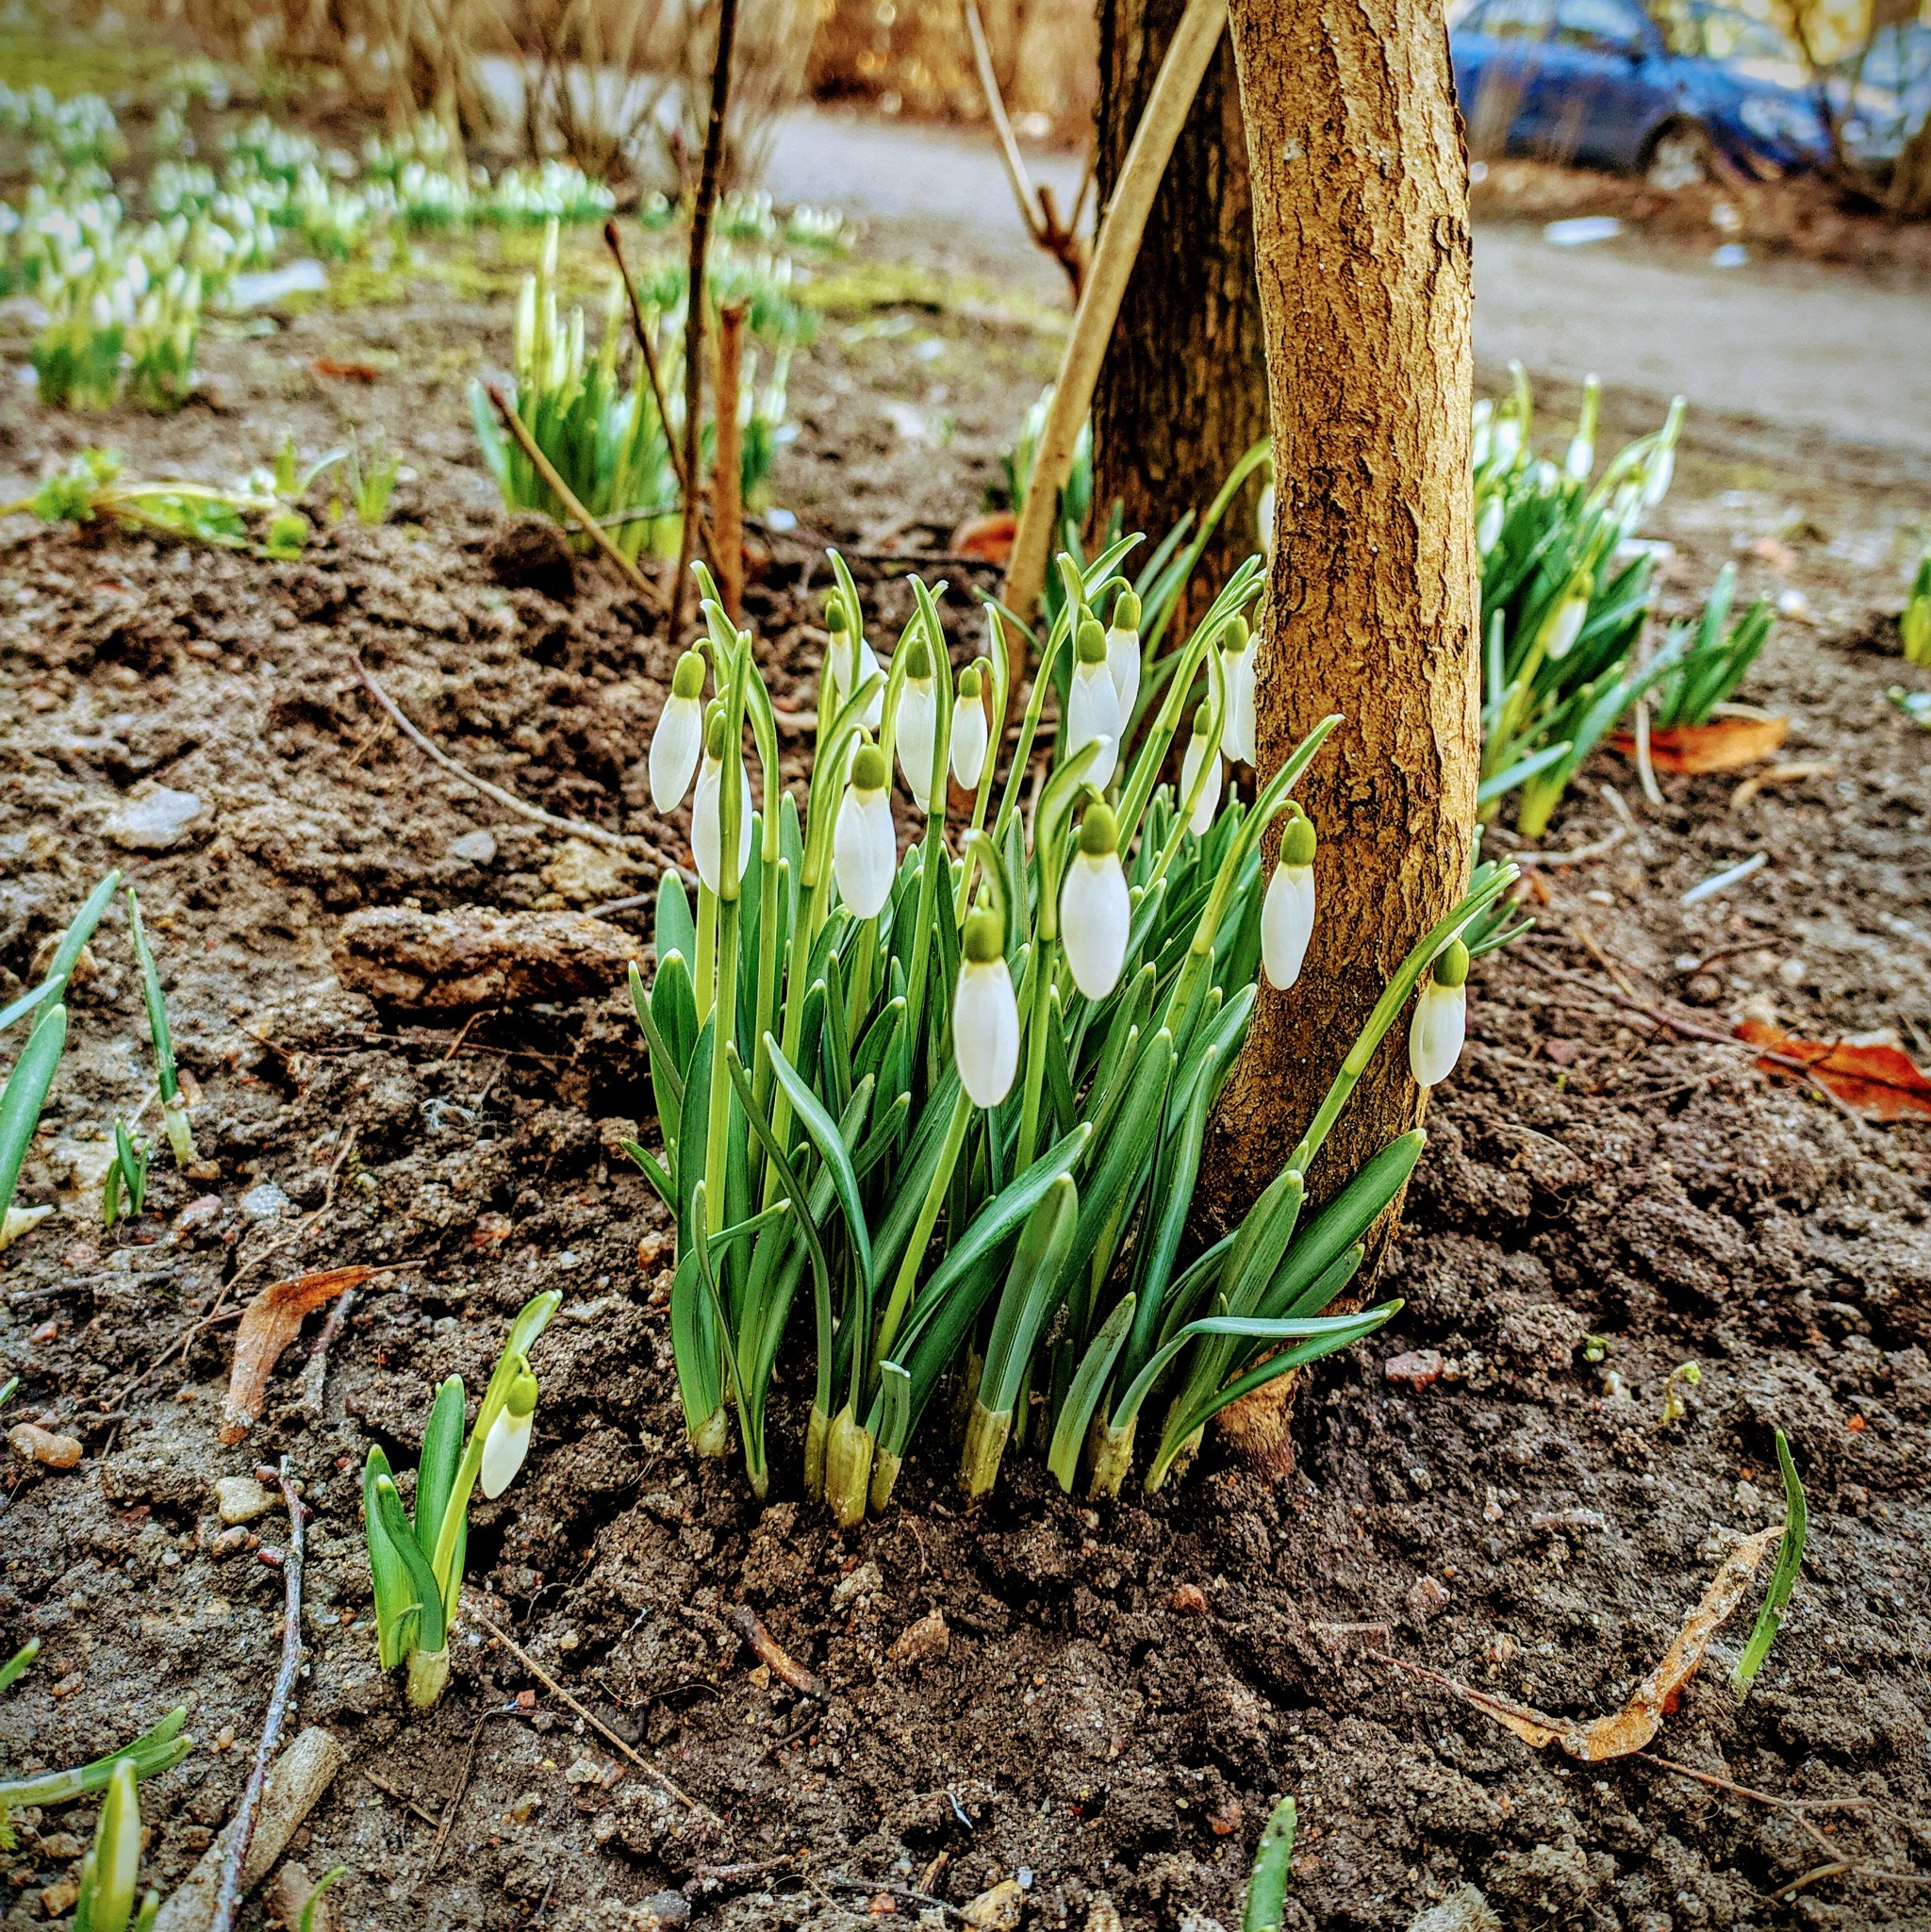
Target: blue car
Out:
[1689,93]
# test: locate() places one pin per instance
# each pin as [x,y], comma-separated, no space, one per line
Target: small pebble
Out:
[241,1499]
[33,1443]
[264,1204]
[1427,1596]
[927,1638]
[1189,1600]
[474,847]
[1417,1368]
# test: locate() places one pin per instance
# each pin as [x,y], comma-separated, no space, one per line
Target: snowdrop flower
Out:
[919,723]
[969,733]
[1093,706]
[678,740]
[706,819]
[1488,525]
[1264,522]
[1095,907]
[1507,441]
[1287,914]
[1198,751]
[508,1441]
[1441,1017]
[1237,725]
[1563,625]
[1580,458]
[1123,652]
[985,1015]
[865,845]
[852,662]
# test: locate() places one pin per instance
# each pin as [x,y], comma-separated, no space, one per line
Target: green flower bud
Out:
[1451,964]
[985,938]
[918,660]
[1298,842]
[835,616]
[1126,611]
[523,1394]
[1234,638]
[1204,718]
[714,732]
[1100,832]
[868,769]
[1091,643]
[687,680]
[971,682]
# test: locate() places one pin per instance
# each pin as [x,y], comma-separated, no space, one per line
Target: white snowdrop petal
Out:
[1287,922]
[968,742]
[919,723]
[985,1031]
[1123,666]
[704,825]
[1093,711]
[868,668]
[864,850]
[1095,911]
[1210,797]
[1436,1032]
[503,1449]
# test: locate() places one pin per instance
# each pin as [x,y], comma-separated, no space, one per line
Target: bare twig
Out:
[772,1653]
[1577,855]
[401,1796]
[567,496]
[705,200]
[456,1797]
[229,1899]
[648,350]
[727,470]
[590,1717]
[579,828]
[315,1376]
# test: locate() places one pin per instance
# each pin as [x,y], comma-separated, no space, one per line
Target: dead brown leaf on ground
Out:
[269,1323]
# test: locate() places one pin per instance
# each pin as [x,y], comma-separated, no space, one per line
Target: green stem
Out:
[1039,975]
[921,1231]
[707,949]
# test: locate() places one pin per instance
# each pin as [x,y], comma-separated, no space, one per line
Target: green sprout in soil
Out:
[152,1752]
[1790,1555]
[1565,597]
[417,1564]
[123,1194]
[1266,1904]
[312,1904]
[372,480]
[173,1107]
[1683,1377]
[1717,655]
[90,487]
[955,1106]
[1915,623]
[110,1873]
[17,1665]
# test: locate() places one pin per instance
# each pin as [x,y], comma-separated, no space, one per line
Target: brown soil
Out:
[1126,1691]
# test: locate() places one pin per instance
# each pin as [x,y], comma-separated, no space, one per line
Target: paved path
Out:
[1790,343]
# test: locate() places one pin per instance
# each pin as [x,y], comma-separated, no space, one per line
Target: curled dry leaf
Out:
[1879,1082]
[988,538]
[272,1320]
[1594,1740]
[1725,744]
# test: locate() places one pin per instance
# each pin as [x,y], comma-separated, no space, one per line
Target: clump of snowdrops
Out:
[415,1558]
[1566,595]
[956,1103]
[1714,656]
[592,410]
[1914,625]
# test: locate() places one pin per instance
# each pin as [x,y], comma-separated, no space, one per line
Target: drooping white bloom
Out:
[1488,524]
[1565,623]
[1507,441]
[1123,652]
[969,732]
[1264,522]
[985,1015]
[1096,909]
[706,812]
[1656,477]
[1580,458]
[919,723]
[1093,706]
[1237,722]
[678,742]
[1482,429]
[865,846]
[1441,1017]
[853,662]
[1287,914]
[1200,749]
[508,1441]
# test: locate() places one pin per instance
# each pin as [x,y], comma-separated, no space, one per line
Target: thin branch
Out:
[727,470]
[705,200]
[229,1899]
[590,1717]
[648,349]
[315,1376]
[773,1655]
[567,497]
[621,841]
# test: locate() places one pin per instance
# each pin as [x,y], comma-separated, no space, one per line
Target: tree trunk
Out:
[1362,249]
[1184,391]
[1910,179]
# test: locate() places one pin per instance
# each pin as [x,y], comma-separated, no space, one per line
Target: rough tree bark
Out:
[1184,391]
[1362,251]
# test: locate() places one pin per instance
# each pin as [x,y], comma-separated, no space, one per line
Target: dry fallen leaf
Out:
[271,1322]
[1879,1082]
[1631,1728]
[989,537]
[1725,744]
